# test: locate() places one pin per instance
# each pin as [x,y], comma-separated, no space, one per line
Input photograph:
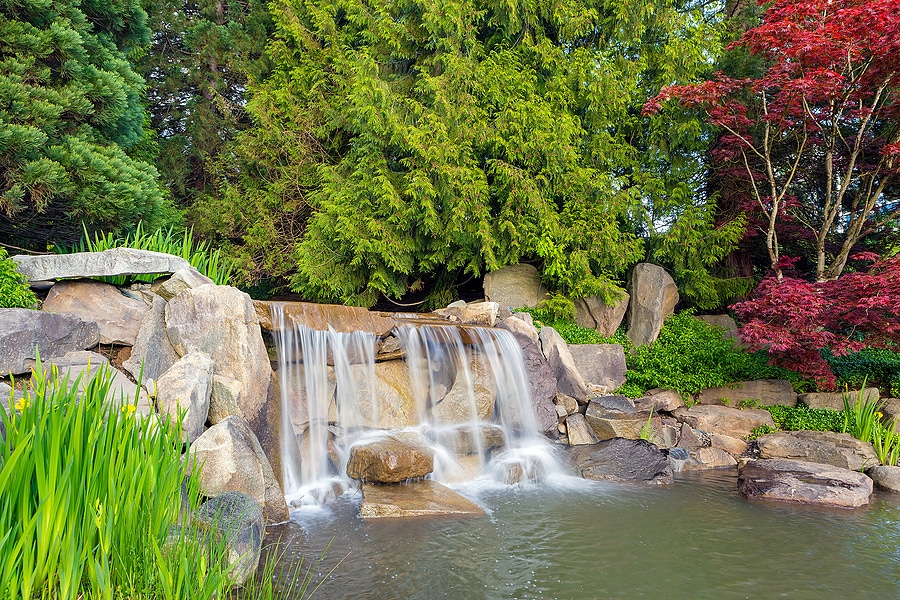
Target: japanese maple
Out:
[816,136]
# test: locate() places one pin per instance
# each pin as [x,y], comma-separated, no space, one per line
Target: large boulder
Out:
[118,317]
[389,459]
[835,400]
[579,432]
[221,322]
[186,387]
[762,392]
[622,460]
[569,381]
[476,313]
[236,520]
[183,279]
[724,322]
[230,459]
[615,417]
[725,420]
[414,499]
[804,482]
[653,299]
[152,354]
[515,286]
[824,447]
[594,313]
[886,477]
[520,327]
[476,392]
[115,261]
[22,331]
[600,364]
[392,404]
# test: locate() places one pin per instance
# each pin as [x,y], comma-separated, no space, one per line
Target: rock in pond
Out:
[389,459]
[237,520]
[619,459]
[825,447]
[804,483]
[885,477]
[414,499]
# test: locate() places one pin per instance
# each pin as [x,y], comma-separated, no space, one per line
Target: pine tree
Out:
[71,122]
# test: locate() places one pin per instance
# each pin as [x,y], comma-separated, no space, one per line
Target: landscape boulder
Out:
[515,286]
[152,353]
[86,365]
[615,416]
[343,319]
[541,378]
[660,400]
[804,483]
[835,400]
[23,330]
[824,447]
[389,459]
[600,364]
[118,317]
[762,392]
[619,459]
[236,520]
[392,404]
[579,432]
[723,322]
[886,477]
[724,419]
[594,313]
[653,298]
[115,261]
[568,380]
[186,387]
[182,279]
[483,314]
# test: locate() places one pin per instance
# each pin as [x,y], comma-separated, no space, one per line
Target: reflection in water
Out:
[586,540]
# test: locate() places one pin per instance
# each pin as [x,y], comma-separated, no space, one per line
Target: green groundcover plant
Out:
[14,289]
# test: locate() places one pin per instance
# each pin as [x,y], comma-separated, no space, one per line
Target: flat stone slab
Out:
[346,319]
[803,482]
[115,261]
[416,499]
[762,392]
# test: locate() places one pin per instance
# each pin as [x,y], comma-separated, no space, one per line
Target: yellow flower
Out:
[22,403]
[879,415]
[128,409]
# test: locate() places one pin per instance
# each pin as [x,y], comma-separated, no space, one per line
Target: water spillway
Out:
[463,390]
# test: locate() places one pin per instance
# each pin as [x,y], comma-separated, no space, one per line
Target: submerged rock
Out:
[414,499]
[622,460]
[804,483]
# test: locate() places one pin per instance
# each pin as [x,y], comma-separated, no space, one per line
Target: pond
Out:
[574,539]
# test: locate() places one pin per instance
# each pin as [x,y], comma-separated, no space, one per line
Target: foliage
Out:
[690,355]
[403,142]
[804,418]
[817,136]
[558,307]
[756,432]
[647,431]
[70,119]
[212,263]
[794,320]
[14,289]
[863,420]
[879,366]
[571,332]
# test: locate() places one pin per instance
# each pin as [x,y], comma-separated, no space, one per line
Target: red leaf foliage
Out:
[795,319]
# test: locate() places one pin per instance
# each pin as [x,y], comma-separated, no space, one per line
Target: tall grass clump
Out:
[863,420]
[212,263]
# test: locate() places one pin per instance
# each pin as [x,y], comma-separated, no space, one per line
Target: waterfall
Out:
[463,388]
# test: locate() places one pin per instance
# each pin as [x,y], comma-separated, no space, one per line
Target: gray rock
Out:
[182,279]
[601,364]
[568,403]
[835,400]
[389,459]
[457,405]
[762,392]
[236,519]
[186,386]
[520,327]
[660,400]
[115,261]
[515,286]
[524,316]
[615,416]
[23,330]
[714,458]
[477,313]
[622,460]
[653,299]
[231,459]
[117,316]
[568,379]
[824,447]
[885,477]
[690,440]
[723,322]
[804,482]
[594,313]
[152,351]
[578,431]
[725,420]
[86,365]
[731,445]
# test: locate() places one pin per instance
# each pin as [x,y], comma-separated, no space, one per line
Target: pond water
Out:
[588,540]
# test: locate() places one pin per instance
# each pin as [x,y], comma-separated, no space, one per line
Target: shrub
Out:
[14,289]
[879,366]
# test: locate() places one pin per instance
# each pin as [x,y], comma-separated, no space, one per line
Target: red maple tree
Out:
[817,136]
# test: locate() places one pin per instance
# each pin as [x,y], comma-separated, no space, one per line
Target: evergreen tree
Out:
[71,121]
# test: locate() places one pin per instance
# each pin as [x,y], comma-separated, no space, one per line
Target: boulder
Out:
[117,316]
[725,420]
[231,459]
[622,460]
[885,477]
[891,411]
[237,520]
[541,382]
[568,404]
[824,447]
[122,392]
[392,404]
[691,440]
[594,313]
[221,322]
[483,314]
[477,392]
[578,431]
[152,354]
[835,400]
[515,286]
[714,458]
[344,319]
[186,386]
[804,482]
[520,327]
[23,330]
[615,416]
[724,322]
[601,364]
[763,392]
[568,380]
[389,459]
[465,440]
[182,279]
[115,261]
[653,299]
[660,400]
[731,445]
[414,499]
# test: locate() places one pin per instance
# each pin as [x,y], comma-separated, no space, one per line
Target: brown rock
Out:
[653,299]
[725,420]
[579,432]
[346,319]
[824,447]
[414,499]
[117,316]
[568,379]
[804,482]
[515,286]
[614,417]
[483,314]
[594,313]
[763,392]
[835,400]
[601,364]
[389,459]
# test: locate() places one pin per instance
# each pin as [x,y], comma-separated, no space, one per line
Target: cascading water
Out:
[464,389]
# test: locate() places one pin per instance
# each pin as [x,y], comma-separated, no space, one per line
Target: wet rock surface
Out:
[414,499]
[619,459]
[389,459]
